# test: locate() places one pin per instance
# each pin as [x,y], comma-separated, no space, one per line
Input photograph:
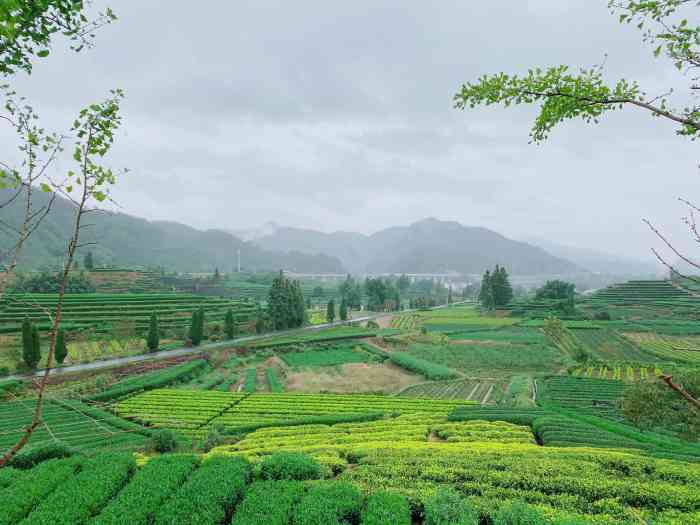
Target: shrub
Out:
[425,368]
[140,499]
[290,466]
[9,387]
[61,351]
[163,440]
[518,513]
[447,507]
[328,504]
[208,495]
[602,316]
[215,437]
[268,503]
[33,456]
[386,508]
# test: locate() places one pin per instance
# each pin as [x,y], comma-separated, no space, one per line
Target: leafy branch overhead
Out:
[26,29]
[564,95]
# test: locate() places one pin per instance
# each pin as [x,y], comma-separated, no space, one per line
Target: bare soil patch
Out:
[353,377]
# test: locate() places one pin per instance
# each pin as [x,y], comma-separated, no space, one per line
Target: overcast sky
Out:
[338,116]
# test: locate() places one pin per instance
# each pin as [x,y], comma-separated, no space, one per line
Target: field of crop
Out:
[331,354]
[461,317]
[471,389]
[598,395]
[104,310]
[654,293]
[556,427]
[330,334]
[407,321]
[71,423]
[571,485]
[490,356]
[618,372]
[191,410]
[509,334]
[668,348]
[608,345]
[417,428]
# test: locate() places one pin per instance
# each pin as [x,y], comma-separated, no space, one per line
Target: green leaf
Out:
[43,53]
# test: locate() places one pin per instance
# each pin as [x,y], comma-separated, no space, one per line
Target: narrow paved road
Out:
[117,361]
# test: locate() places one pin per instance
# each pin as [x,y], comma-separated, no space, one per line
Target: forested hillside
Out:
[131,241]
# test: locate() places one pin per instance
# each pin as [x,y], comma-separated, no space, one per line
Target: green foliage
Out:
[197,327]
[152,380]
[326,355]
[46,282]
[495,289]
[208,495]
[273,381]
[250,380]
[330,311]
[556,289]
[61,350]
[153,338]
[9,387]
[30,490]
[343,310]
[285,304]
[429,370]
[268,503]
[328,504]
[32,456]
[82,496]
[518,513]
[651,404]
[351,291]
[290,466]
[486,297]
[447,507]
[147,490]
[382,295]
[386,508]
[28,28]
[163,440]
[30,338]
[230,325]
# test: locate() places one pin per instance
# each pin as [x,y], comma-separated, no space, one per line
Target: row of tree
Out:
[31,345]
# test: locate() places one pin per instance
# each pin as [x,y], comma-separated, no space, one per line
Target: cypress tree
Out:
[343,310]
[196,327]
[28,343]
[201,323]
[33,356]
[61,351]
[153,339]
[230,325]
[330,311]
[486,292]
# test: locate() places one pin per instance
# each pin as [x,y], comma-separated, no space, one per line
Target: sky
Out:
[339,116]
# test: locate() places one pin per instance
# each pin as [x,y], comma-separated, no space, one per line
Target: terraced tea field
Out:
[608,345]
[193,410]
[103,310]
[668,348]
[596,395]
[70,423]
[467,389]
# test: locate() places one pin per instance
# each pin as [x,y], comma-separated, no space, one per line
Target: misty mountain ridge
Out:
[426,246]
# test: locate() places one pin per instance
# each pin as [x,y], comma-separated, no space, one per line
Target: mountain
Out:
[124,240]
[427,246]
[599,262]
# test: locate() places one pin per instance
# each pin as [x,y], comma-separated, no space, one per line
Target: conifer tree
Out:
[153,339]
[330,311]
[230,325]
[61,350]
[343,310]
[32,354]
[89,261]
[28,355]
[197,326]
[486,295]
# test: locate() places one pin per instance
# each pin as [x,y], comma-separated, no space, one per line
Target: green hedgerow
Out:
[290,466]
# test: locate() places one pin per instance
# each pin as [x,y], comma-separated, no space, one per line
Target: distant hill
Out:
[600,262]
[426,246]
[131,241]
